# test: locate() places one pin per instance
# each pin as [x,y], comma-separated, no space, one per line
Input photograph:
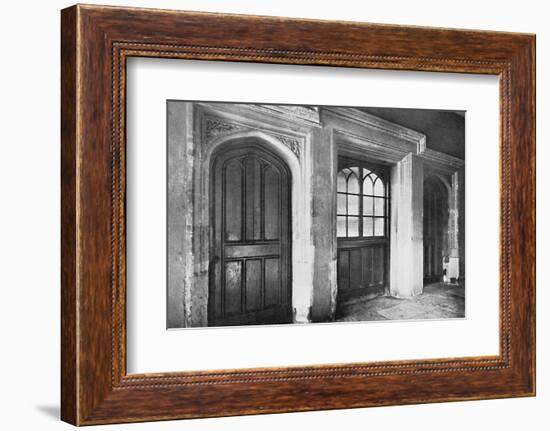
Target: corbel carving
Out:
[214,128]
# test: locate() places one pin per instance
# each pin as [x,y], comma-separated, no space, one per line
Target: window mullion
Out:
[347,210]
[360,220]
[374,200]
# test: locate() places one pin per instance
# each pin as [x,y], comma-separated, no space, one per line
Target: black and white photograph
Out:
[295,214]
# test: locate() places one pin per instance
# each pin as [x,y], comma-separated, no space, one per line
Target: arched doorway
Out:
[250,266]
[436,216]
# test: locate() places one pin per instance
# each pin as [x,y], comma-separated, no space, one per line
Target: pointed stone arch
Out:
[302,259]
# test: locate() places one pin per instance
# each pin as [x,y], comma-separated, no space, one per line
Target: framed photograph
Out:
[263,214]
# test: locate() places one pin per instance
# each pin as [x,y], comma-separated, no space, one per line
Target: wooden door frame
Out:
[384,172]
[247,145]
[358,134]
[196,130]
[300,265]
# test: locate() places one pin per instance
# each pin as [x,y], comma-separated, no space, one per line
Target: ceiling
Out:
[444,130]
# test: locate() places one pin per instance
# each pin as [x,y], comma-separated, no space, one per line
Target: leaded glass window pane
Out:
[368,186]
[367,226]
[341,203]
[379,188]
[353,184]
[341,181]
[353,205]
[379,227]
[341,226]
[368,205]
[353,226]
[361,203]
[379,206]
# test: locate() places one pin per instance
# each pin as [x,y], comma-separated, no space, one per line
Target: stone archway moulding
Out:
[203,129]
[301,248]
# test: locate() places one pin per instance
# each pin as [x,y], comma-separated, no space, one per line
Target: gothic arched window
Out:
[362,203]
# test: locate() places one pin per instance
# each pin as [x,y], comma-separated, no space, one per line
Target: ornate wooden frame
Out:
[95,43]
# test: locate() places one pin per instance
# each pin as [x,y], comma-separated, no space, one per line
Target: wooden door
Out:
[362,229]
[250,272]
[435,222]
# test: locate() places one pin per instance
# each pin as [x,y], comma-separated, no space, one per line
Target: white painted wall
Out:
[29,220]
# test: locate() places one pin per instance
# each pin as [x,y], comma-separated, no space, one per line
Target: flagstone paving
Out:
[438,301]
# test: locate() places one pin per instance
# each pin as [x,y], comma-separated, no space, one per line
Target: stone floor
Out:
[439,301]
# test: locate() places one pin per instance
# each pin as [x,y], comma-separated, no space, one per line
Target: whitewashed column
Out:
[180,214]
[454,208]
[406,228]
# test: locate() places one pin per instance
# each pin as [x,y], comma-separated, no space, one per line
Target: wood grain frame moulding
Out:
[96,41]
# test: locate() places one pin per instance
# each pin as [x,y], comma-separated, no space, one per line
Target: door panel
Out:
[233,281]
[435,221]
[272,201]
[355,267]
[272,282]
[253,290]
[253,198]
[361,269]
[251,239]
[343,271]
[233,208]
